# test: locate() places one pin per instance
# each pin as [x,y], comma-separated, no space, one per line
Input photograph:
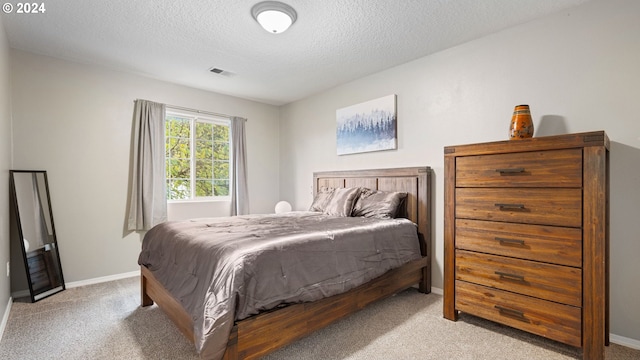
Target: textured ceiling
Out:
[332,42]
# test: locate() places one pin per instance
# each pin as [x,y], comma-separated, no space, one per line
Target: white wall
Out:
[578,70]
[5,166]
[75,121]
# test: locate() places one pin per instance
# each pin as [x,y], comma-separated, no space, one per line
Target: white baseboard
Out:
[436,290]
[5,317]
[20,293]
[625,341]
[102,279]
[73,284]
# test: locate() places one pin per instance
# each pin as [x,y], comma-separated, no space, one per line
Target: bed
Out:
[256,335]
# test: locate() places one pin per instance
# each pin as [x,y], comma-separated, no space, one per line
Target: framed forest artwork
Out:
[367,126]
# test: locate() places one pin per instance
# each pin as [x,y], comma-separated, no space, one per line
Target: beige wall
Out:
[75,121]
[5,166]
[578,70]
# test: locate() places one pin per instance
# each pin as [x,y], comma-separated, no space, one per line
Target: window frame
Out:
[194,117]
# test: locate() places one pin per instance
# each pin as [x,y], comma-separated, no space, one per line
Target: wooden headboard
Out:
[415,181]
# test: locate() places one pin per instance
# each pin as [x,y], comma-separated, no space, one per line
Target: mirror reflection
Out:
[36,230]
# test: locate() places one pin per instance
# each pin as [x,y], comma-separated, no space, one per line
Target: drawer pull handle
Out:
[510,241]
[511,312]
[510,276]
[510,171]
[510,206]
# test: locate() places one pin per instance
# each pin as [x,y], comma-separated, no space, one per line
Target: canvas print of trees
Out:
[368,126]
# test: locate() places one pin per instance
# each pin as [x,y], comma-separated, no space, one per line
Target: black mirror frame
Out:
[12,187]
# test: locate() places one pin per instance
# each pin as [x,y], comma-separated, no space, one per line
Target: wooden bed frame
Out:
[261,334]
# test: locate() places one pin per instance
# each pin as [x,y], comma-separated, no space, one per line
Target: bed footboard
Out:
[254,337]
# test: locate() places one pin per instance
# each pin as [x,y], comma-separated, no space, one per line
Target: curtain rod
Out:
[175,107]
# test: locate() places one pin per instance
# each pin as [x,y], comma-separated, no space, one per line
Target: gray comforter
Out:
[226,269]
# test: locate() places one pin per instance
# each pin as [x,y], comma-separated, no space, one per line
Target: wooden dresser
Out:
[526,236]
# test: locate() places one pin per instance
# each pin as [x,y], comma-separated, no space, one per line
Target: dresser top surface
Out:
[566,141]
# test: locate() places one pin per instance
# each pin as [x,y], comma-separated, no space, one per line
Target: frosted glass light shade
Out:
[274,16]
[274,21]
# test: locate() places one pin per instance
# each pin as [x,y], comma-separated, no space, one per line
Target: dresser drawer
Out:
[552,320]
[557,283]
[561,207]
[559,168]
[553,244]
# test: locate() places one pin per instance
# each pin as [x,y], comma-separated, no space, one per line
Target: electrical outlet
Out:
[8,268]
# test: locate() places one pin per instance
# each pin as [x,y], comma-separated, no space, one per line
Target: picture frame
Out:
[367,126]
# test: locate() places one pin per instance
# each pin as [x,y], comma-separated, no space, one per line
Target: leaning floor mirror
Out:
[36,232]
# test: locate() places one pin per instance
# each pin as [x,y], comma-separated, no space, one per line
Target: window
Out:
[197,156]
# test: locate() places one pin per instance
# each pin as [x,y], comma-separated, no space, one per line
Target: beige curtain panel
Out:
[148,203]
[239,186]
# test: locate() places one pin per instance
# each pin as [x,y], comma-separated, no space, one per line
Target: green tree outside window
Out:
[202,144]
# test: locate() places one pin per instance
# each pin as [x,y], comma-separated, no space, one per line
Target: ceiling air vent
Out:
[221,72]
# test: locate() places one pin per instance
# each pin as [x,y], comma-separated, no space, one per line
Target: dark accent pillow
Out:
[380,204]
[341,202]
[321,199]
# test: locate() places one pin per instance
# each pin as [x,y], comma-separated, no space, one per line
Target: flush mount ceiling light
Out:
[274,16]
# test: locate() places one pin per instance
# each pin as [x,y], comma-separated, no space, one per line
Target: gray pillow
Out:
[321,199]
[379,204]
[341,202]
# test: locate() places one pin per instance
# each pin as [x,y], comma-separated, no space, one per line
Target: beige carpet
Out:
[105,321]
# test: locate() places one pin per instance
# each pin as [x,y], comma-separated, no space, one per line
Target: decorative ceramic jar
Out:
[521,123]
